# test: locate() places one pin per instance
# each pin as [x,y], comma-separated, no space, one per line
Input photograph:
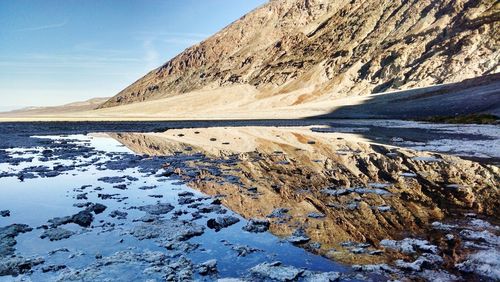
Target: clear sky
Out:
[59,51]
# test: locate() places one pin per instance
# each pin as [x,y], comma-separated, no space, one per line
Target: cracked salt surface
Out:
[467,140]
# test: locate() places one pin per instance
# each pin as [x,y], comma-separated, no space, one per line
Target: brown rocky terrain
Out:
[334,48]
[362,192]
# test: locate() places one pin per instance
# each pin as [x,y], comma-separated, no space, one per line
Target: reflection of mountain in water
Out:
[365,192]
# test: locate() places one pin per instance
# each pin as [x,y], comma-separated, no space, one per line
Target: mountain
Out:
[303,51]
[87,105]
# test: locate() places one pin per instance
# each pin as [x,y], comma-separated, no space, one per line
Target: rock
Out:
[167,230]
[425,261]
[82,196]
[56,234]
[222,222]
[178,269]
[97,208]
[377,268]
[384,208]
[53,268]
[484,236]
[8,236]
[18,265]
[157,209]
[278,213]
[185,200]
[185,194]
[257,225]
[298,237]
[409,246]
[148,218]
[208,267]
[184,247]
[276,271]
[112,179]
[118,214]
[484,263]
[323,277]
[209,208]
[82,205]
[397,139]
[61,250]
[244,250]
[316,215]
[120,186]
[148,187]
[83,218]
[358,251]
[5,213]
[315,245]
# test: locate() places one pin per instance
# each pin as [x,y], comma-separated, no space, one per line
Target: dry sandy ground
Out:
[242,102]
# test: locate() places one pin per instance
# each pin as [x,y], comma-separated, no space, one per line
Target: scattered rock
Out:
[427,260]
[484,263]
[157,209]
[18,265]
[298,237]
[168,230]
[97,208]
[278,213]
[207,268]
[118,214]
[83,218]
[316,215]
[56,234]
[244,250]
[409,246]
[257,225]
[222,222]
[276,271]
[8,236]
[53,268]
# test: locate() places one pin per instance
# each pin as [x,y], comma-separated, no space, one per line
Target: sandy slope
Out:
[246,102]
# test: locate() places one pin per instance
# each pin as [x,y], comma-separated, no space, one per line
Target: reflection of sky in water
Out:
[34,201]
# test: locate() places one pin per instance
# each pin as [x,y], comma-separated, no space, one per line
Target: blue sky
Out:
[58,51]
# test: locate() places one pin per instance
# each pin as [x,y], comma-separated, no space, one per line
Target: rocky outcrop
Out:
[334,48]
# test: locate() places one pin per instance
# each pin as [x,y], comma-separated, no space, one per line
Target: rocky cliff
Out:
[337,47]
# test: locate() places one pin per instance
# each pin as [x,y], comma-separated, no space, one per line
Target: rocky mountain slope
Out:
[313,48]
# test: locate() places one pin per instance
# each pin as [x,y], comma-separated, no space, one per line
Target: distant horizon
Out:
[55,53]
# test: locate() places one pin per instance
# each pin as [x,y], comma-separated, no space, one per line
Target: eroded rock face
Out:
[344,47]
